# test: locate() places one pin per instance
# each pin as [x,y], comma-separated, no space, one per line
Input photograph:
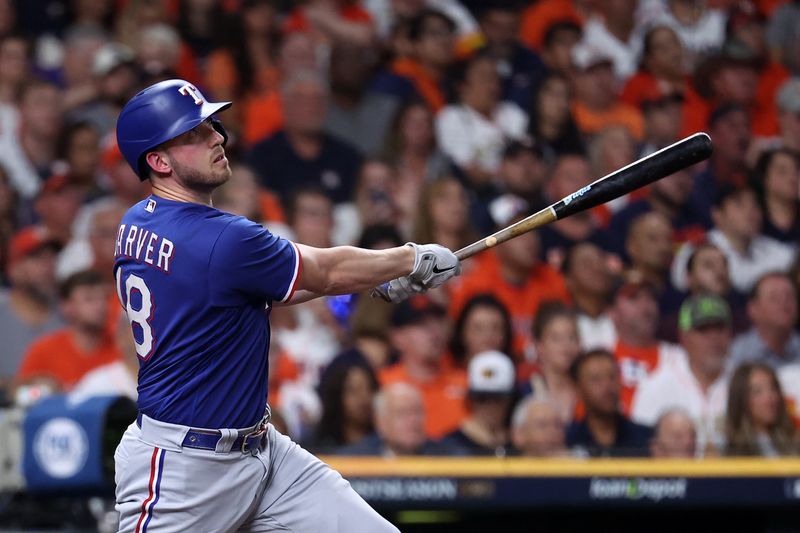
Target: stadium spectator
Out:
[242,195]
[637,350]
[773,340]
[596,104]
[551,123]
[115,75]
[11,215]
[757,421]
[737,232]
[670,196]
[16,52]
[611,149]
[589,280]
[443,214]
[560,37]
[419,334]
[28,146]
[27,306]
[706,272]
[662,117]
[347,391]
[729,126]
[474,131]
[612,28]
[79,148]
[374,202]
[782,36]
[411,149]
[400,420]
[674,436]
[513,273]
[555,334]
[302,154]
[700,27]
[122,182]
[605,430]
[332,21]
[696,382]
[537,429]
[117,378]
[539,18]
[520,68]
[162,55]
[787,102]
[93,250]
[355,115]
[57,205]
[570,173]
[776,180]
[244,67]
[61,358]
[483,325]
[491,384]
[81,44]
[423,74]
[523,172]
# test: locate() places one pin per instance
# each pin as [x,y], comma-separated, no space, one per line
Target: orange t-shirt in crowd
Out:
[539,16]
[55,355]
[259,110]
[635,363]
[444,396]
[427,87]
[765,116]
[621,114]
[544,283]
[644,86]
[297,20]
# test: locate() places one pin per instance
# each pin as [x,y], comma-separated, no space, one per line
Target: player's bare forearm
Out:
[346,269]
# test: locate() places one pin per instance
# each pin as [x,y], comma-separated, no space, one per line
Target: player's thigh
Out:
[163,490]
[304,494]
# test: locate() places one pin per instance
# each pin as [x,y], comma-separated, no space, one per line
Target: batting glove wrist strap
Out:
[433,265]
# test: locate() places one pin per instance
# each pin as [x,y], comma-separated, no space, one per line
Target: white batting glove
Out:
[433,265]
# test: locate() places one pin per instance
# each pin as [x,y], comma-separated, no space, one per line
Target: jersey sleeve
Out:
[250,263]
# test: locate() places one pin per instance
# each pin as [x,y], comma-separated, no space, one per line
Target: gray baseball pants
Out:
[164,487]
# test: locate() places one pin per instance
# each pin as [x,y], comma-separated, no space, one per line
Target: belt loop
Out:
[225,442]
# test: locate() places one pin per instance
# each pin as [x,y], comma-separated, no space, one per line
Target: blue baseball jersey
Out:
[196,284]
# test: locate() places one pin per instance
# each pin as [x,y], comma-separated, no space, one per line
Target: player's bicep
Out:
[313,270]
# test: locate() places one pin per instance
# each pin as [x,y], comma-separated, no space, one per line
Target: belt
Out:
[207,439]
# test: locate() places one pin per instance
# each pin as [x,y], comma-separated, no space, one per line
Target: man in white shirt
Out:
[696,381]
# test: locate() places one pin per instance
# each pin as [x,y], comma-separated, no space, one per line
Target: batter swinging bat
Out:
[668,160]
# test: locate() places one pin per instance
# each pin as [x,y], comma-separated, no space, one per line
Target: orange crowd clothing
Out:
[444,396]
[426,85]
[591,122]
[270,206]
[539,16]
[644,86]
[544,283]
[297,21]
[765,115]
[635,363]
[260,113]
[56,356]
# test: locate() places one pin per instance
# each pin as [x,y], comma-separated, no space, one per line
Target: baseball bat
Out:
[644,171]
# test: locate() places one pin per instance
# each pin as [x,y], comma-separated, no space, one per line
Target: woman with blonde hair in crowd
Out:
[443,214]
[757,422]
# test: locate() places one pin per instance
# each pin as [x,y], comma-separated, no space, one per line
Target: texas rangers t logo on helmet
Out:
[191,90]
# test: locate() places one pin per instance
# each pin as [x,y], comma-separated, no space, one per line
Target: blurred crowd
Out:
[663,323]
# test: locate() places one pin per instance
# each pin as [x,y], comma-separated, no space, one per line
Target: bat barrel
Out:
[660,164]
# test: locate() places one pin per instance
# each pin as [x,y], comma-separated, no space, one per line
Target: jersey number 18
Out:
[140,317]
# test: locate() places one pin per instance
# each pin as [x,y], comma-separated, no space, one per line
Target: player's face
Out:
[198,158]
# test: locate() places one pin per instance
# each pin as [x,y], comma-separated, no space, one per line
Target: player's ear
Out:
[158,161]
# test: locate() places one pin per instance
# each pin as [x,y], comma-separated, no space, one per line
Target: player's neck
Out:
[179,193]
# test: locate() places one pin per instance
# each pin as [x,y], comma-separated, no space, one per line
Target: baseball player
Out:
[197,285]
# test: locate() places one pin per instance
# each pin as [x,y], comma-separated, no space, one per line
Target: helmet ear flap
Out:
[217,125]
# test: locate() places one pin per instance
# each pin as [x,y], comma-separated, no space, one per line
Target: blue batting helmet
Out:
[159,113]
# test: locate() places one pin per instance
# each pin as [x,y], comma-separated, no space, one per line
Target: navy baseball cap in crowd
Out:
[415,310]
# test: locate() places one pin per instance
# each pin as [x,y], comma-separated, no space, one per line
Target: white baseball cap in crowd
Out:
[491,372]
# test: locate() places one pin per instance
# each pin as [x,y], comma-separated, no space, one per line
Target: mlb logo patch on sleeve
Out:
[151,206]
